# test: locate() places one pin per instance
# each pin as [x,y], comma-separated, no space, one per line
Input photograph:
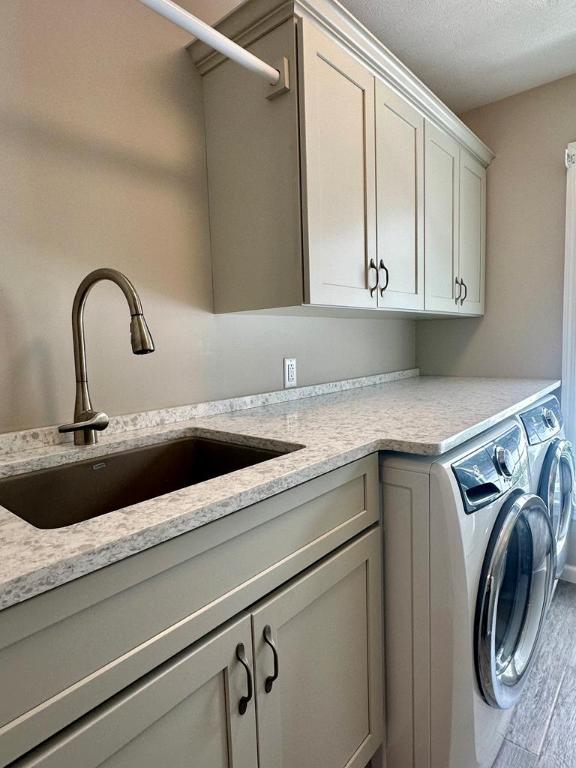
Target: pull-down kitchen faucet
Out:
[86,420]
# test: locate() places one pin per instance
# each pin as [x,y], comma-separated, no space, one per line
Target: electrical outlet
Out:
[290,378]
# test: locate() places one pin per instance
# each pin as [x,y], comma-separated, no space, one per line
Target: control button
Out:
[550,418]
[503,461]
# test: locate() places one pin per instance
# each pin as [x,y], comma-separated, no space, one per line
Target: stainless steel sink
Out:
[60,496]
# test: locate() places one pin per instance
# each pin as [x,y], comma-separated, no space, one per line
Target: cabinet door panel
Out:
[400,199]
[337,126]
[185,714]
[441,221]
[472,231]
[325,708]
[252,148]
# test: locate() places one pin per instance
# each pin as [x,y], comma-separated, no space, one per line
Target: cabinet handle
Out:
[373,288]
[463,299]
[244,700]
[271,679]
[381,265]
[457,298]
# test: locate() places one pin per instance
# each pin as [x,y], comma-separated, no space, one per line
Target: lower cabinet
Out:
[318,659]
[308,660]
[185,713]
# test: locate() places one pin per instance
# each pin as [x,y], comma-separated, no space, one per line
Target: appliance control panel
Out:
[488,473]
[543,422]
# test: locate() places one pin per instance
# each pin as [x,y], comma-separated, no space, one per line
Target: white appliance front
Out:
[459,566]
[552,469]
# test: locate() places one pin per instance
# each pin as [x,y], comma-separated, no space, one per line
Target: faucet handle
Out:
[87,420]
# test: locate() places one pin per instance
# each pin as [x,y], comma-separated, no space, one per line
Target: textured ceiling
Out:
[469,52]
[474,52]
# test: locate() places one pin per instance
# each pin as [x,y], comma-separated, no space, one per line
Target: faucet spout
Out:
[140,337]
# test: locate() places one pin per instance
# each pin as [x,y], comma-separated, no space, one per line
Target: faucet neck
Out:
[141,340]
[78,314]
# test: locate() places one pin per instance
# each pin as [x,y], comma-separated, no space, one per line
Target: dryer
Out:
[469,559]
[552,468]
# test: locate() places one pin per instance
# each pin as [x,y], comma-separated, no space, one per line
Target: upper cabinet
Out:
[442,192]
[399,201]
[455,226]
[472,233]
[356,188]
[338,174]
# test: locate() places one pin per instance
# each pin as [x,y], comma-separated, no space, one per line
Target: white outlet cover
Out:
[290,375]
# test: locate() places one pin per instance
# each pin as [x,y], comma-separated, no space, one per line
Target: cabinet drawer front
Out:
[325,707]
[185,713]
[66,651]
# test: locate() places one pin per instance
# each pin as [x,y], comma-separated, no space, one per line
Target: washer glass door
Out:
[557,489]
[515,589]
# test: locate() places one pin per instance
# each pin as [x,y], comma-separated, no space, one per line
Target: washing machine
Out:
[552,468]
[469,567]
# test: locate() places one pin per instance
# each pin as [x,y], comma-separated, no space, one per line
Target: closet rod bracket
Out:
[283,84]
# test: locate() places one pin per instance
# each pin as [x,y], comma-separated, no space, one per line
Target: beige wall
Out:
[520,334]
[102,163]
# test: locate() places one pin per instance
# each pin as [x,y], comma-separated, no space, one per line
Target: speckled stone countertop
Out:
[407,413]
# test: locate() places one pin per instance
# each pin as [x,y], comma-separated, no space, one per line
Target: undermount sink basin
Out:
[61,496]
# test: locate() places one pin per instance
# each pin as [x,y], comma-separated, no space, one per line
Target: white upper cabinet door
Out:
[318,659]
[472,233]
[185,714]
[399,201]
[338,173]
[441,221]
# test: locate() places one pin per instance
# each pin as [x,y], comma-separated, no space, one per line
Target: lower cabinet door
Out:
[186,713]
[318,661]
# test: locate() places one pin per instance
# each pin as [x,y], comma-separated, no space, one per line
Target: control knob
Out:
[550,418]
[503,461]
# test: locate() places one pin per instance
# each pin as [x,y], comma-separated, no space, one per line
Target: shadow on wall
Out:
[102,161]
[31,370]
[88,185]
[438,359]
[47,143]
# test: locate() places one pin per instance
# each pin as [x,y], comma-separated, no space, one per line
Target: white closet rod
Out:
[213,38]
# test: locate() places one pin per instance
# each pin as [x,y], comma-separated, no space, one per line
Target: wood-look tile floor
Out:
[542,733]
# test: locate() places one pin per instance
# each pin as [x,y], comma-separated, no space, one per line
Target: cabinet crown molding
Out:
[254,18]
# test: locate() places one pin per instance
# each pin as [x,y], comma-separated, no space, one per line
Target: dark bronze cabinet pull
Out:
[372,265]
[457,298]
[271,679]
[385,268]
[463,299]
[244,700]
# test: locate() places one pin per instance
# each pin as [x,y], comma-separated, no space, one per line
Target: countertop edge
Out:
[43,579]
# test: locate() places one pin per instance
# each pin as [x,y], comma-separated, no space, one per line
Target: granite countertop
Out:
[406,413]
